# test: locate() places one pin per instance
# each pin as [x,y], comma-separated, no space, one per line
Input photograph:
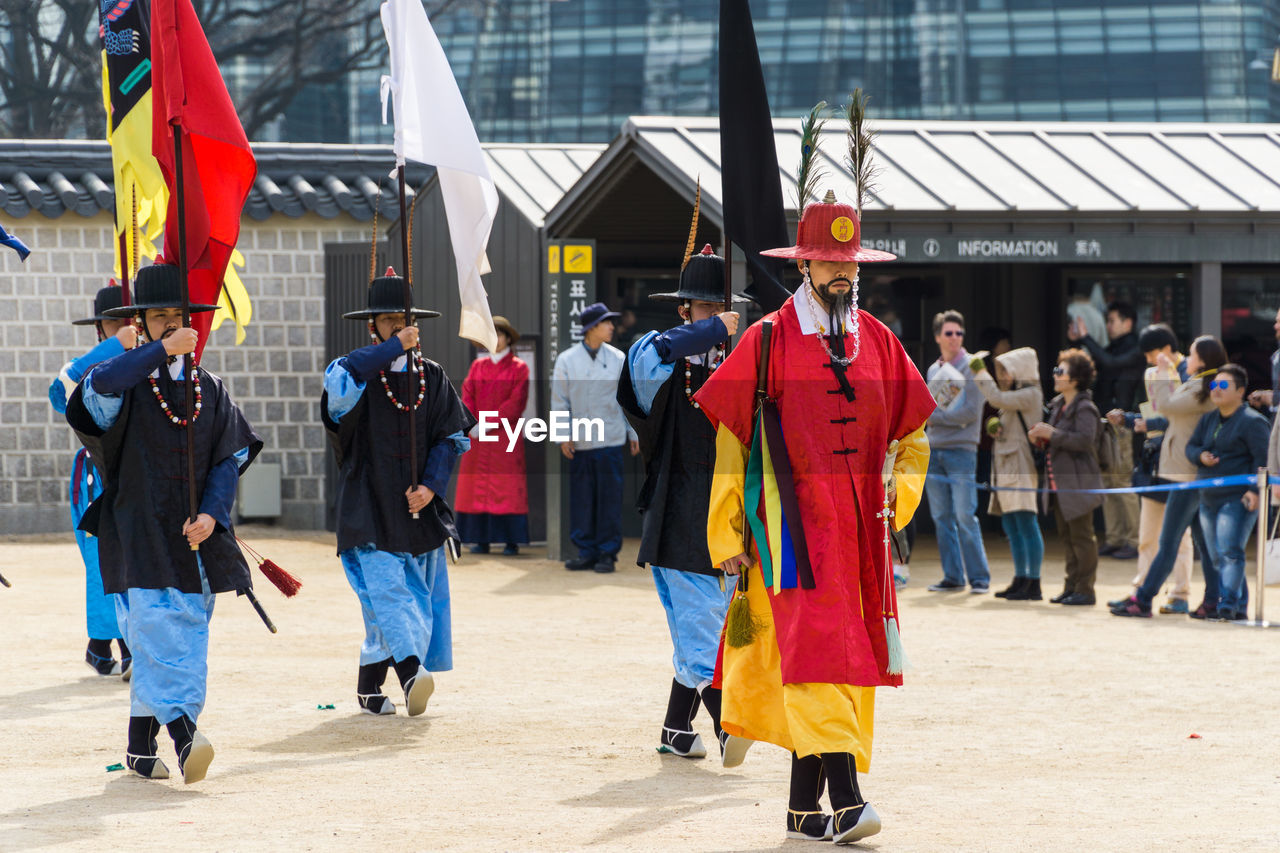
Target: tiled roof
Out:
[55,177]
[991,167]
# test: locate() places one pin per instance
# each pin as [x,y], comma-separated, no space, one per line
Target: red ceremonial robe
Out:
[835,632]
[490,479]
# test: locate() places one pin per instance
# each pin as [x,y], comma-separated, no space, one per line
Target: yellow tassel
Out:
[741,625]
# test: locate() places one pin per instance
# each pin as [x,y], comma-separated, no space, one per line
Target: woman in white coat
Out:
[1015,391]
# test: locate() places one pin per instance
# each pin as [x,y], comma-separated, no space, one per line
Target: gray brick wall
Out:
[275,375]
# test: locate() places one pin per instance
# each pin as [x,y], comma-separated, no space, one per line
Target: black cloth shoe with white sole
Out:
[854,824]
[808,826]
[417,690]
[98,657]
[140,756]
[195,753]
[376,704]
[683,744]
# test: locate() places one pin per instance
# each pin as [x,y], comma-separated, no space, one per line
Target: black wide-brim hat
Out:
[157,286]
[111,296]
[386,296]
[701,280]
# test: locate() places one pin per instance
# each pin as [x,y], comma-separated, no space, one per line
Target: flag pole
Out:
[728,288]
[411,402]
[188,362]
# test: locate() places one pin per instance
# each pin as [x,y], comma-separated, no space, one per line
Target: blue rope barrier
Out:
[1212,483]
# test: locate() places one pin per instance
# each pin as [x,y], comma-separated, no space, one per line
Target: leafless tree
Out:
[50,62]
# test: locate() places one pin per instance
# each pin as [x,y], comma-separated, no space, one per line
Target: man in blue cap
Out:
[584,384]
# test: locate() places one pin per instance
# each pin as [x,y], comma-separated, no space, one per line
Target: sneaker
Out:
[580,564]
[808,826]
[979,589]
[604,565]
[479,549]
[1134,608]
[1120,602]
[1079,599]
[854,824]
[946,585]
[1174,605]
[1124,552]
[511,551]
[1201,612]
[900,581]
[1106,550]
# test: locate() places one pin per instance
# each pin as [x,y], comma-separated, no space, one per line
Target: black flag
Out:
[754,217]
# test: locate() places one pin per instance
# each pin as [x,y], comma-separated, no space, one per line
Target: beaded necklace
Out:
[181,423]
[821,334]
[420,366]
[688,374]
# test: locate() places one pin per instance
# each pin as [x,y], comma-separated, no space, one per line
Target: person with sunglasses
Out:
[952,486]
[1071,466]
[1230,440]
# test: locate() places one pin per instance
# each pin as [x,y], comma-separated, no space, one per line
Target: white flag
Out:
[433,127]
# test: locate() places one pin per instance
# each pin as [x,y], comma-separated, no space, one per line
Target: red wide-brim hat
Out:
[830,232]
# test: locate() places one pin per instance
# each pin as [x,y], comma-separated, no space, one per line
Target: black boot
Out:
[733,749]
[194,750]
[140,756]
[1013,589]
[369,689]
[126,660]
[98,656]
[418,684]
[678,736]
[854,818]
[805,818]
[1030,591]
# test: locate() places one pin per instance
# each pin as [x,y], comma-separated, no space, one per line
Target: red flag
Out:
[218,167]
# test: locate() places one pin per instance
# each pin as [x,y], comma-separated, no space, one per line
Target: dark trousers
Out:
[1081,549]
[595,501]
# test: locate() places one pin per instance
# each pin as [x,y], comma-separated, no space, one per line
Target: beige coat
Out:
[1012,464]
[1176,401]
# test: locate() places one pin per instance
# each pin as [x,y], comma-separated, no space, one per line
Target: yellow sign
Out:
[553,259]
[843,229]
[577,259]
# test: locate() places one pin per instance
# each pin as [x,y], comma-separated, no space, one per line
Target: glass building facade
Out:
[573,70]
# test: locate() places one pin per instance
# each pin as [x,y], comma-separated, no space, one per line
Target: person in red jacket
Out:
[493,497]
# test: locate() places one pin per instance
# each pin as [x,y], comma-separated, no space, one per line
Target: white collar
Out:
[175,370]
[498,356]
[804,301]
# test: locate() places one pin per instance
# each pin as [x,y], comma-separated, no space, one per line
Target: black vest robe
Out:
[371,446]
[138,518]
[678,445]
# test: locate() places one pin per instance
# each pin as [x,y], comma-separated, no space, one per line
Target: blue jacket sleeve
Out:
[684,341]
[74,371]
[440,458]
[365,362]
[128,369]
[220,488]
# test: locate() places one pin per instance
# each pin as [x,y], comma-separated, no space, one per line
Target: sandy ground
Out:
[1022,726]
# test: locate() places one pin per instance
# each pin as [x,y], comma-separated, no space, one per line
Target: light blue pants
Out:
[696,607]
[404,600]
[168,633]
[954,509]
[99,608]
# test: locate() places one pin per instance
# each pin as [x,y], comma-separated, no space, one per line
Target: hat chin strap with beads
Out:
[836,317]
[419,366]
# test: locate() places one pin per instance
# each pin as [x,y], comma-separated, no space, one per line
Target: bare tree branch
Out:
[51,67]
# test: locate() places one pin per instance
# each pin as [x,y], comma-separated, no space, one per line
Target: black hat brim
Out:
[131,310]
[370,313]
[687,295]
[89,321]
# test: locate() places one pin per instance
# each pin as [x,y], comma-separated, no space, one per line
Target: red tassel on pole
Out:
[282,580]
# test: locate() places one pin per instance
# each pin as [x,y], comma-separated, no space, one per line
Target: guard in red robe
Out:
[493,495]
[844,390]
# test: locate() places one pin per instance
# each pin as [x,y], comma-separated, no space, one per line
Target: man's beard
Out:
[836,302]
